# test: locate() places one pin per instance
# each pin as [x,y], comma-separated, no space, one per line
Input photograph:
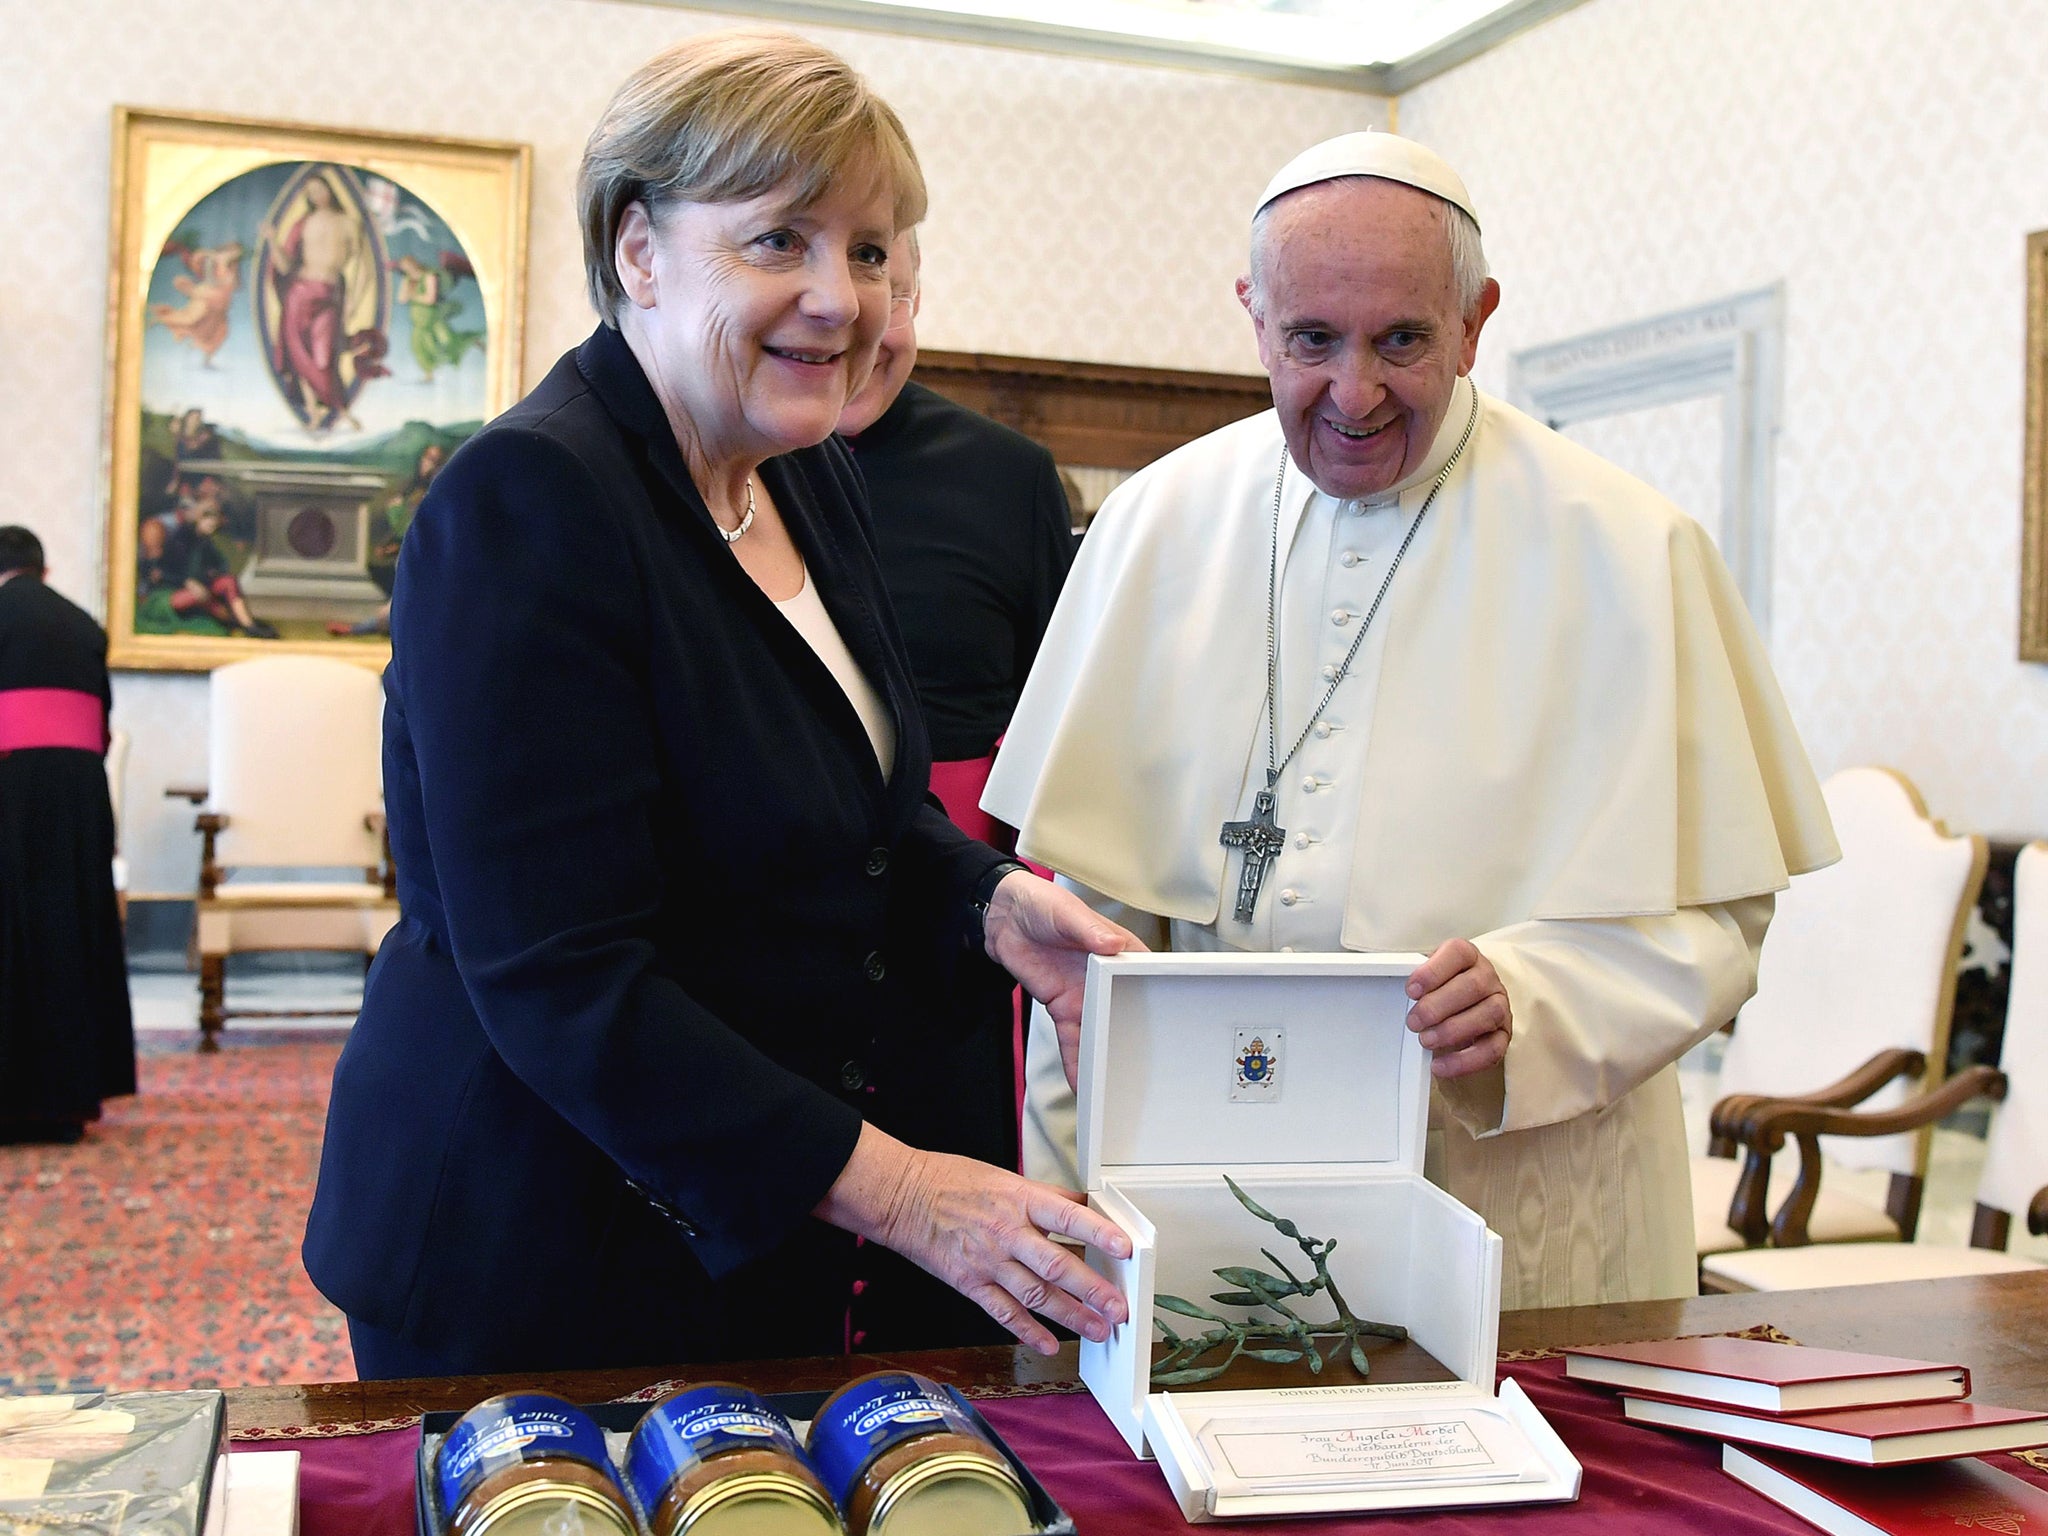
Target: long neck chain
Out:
[1273,765]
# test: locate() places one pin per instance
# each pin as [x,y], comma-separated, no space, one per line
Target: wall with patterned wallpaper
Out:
[1079,210]
[1885,161]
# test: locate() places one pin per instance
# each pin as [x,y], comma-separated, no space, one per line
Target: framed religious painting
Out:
[2034,478]
[303,324]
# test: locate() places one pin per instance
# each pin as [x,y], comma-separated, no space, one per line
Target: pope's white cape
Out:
[1575,718]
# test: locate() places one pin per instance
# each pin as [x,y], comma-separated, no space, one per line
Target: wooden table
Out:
[1996,1325]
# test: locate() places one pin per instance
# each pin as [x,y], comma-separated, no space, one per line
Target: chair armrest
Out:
[1769,1121]
[208,825]
[196,793]
[2037,1213]
[1730,1113]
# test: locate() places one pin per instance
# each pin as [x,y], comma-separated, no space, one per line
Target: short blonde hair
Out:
[728,116]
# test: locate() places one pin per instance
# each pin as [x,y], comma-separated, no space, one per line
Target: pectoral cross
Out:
[1261,838]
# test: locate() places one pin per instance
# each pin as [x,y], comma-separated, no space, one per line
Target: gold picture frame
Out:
[302,324]
[2034,473]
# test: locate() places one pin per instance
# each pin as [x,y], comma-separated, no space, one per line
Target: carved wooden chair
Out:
[1854,992]
[294,783]
[2015,1152]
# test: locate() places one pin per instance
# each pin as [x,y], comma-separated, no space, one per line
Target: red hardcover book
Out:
[1761,1377]
[1937,1499]
[1870,1437]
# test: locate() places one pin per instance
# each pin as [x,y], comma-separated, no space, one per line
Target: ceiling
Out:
[1378,46]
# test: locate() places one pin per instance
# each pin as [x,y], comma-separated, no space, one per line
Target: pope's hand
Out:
[1461,1010]
[1043,934]
[984,1231]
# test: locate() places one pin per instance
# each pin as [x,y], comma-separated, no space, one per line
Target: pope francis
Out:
[1394,667]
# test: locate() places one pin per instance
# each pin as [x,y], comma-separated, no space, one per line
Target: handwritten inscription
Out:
[1356,1450]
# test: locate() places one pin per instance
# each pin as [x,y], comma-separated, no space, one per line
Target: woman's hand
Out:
[1043,934]
[982,1230]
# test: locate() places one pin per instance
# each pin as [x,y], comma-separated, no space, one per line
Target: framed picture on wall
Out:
[303,323]
[2034,478]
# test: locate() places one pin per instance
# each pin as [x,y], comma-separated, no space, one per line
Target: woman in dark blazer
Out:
[690,991]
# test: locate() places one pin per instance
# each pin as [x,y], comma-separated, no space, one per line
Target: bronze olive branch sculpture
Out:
[1256,1288]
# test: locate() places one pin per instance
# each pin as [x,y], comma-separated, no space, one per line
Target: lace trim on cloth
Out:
[1766,1332]
[348,1427]
[334,1431]
[1003,1389]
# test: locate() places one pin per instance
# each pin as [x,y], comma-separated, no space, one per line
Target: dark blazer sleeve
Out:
[521,655]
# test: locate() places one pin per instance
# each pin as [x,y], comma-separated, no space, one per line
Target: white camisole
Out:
[806,613]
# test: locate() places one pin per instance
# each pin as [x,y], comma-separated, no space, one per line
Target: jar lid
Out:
[944,1495]
[758,1504]
[535,1509]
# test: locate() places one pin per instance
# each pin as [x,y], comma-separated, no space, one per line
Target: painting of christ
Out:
[320,321]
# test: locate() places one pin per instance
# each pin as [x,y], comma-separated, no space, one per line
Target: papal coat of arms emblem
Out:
[1255,1066]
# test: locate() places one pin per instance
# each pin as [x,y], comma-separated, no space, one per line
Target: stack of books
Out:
[1862,1445]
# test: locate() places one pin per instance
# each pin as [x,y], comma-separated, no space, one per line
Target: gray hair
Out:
[1468,256]
[727,116]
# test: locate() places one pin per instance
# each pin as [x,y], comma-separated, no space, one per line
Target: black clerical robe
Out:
[974,536]
[66,1037]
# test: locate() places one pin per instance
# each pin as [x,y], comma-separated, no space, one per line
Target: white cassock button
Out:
[1330,673]
[1302,839]
[1322,729]
[1348,559]
[1308,784]
[1341,617]
[1289,897]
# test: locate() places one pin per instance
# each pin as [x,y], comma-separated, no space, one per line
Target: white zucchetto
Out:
[1371,153]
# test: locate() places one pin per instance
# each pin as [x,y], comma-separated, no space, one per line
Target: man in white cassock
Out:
[1394,667]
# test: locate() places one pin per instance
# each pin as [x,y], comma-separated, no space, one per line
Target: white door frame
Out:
[1732,349]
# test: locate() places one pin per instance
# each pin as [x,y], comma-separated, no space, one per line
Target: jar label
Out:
[680,1433]
[874,1416]
[503,1431]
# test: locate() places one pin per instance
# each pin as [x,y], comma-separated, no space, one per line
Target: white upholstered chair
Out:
[2015,1174]
[294,783]
[1855,988]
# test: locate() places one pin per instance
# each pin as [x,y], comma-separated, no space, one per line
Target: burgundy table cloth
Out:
[1645,1481]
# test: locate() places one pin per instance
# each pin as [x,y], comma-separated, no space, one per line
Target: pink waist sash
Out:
[51,717]
[959,785]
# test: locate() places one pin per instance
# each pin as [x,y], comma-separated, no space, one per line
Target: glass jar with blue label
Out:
[715,1460]
[903,1458]
[529,1464]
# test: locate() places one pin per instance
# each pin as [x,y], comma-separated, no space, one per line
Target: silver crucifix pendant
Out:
[1261,838]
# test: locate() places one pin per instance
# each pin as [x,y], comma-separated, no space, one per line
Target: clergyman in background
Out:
[1393,667]
[66,1038]
[975,540]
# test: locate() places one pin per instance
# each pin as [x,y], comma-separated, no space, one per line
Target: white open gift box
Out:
[1298,1076]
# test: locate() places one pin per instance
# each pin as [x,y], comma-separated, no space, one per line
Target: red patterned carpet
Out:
[163,1251]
